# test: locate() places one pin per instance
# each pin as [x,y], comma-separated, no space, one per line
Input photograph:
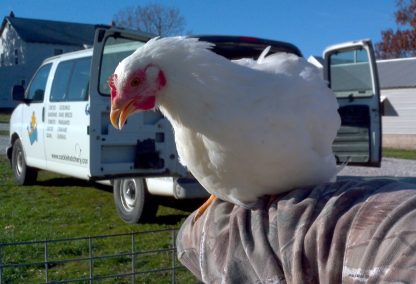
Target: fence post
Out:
[133,258]
[91,260]
[46,261]
[1,264]
[173,256]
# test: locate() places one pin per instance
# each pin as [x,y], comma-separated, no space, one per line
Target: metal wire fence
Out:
[137,257]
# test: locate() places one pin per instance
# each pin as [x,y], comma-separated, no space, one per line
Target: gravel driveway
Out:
[389,167]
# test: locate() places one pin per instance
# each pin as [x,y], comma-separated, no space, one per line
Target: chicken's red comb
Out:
[111,83]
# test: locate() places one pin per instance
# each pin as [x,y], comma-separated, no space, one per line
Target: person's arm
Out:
[333,233]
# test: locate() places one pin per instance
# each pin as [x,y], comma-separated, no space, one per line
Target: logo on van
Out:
[32,129]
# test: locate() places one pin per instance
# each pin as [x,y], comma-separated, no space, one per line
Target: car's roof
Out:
[235,47]
[231,47]
[70,55]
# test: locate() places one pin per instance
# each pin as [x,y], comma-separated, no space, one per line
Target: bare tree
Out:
[152,18]
[402,41]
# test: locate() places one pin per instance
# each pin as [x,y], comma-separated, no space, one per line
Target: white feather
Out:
[245,128]
[263,54]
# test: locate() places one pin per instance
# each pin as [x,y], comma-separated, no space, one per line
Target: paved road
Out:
[4,140]
[4,126]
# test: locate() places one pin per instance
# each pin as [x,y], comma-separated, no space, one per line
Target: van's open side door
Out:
[351,71]
[145,146]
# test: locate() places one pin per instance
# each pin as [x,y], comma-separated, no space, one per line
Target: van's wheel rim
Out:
[128,195]
[19,163]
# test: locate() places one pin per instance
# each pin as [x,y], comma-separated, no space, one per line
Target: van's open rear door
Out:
[351,71]
[145,146]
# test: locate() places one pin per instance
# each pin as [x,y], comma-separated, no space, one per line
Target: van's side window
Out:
[71,80]
[37,86]
[78,87]
[60,81]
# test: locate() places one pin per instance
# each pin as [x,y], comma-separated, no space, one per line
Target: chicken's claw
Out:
[203,208]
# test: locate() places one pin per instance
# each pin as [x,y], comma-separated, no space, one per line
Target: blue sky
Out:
[310,24]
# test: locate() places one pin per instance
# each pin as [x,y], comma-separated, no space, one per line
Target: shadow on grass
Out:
[69,182]
[187,206]
[170,220]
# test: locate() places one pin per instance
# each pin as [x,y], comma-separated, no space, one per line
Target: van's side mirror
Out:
[18,93]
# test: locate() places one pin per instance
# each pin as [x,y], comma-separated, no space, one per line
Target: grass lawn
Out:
[399,153]
[61,207]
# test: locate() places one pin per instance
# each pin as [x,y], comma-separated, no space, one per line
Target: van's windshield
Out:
[115,50]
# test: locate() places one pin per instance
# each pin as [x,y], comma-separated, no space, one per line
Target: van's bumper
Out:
[180,188]
[186,188]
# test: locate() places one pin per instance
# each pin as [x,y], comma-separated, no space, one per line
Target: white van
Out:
[62,124]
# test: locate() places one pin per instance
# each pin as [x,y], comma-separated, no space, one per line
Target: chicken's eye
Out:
[135,82]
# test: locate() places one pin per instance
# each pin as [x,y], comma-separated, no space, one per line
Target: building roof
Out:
[53,32]
[397,73]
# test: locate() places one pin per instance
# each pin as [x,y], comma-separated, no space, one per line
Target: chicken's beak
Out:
[118,116]
[114,115]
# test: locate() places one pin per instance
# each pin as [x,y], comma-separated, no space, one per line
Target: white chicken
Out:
[243,128]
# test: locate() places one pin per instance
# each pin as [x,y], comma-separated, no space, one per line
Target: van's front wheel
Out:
[133,202]
[23,174]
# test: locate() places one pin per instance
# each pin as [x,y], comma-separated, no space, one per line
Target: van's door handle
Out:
[43,114]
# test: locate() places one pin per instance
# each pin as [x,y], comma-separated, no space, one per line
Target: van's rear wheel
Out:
[133,202]
[23,174]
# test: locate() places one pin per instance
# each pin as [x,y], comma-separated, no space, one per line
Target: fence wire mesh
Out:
[137,257]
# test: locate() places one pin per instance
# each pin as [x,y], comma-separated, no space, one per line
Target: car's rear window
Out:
[244,47]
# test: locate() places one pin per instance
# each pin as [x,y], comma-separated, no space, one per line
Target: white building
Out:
[25,43]
[398,94]
[398,85]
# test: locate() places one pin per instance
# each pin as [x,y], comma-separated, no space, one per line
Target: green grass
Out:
[4,117]
[62,207]
[4,132]
[399,153]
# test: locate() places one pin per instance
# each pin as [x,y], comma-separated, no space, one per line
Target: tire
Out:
[23,174]
[134,204]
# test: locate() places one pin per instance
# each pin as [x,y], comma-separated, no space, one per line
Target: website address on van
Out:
[73,159]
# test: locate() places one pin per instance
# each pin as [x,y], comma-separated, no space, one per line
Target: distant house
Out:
[398,86]
[398,93]
[25,43]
